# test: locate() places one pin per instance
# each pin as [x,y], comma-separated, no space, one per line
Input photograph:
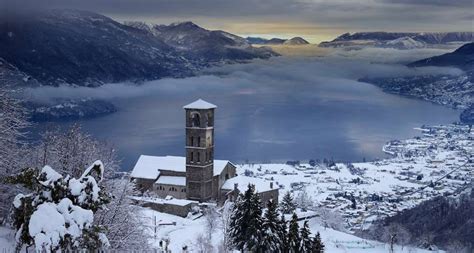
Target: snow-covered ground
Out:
[183,232]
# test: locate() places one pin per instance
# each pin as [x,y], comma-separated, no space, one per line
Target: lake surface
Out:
[275,111]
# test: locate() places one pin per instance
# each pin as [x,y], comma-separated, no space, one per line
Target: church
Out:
[196,176]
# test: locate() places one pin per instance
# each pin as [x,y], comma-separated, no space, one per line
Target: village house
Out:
[197,177]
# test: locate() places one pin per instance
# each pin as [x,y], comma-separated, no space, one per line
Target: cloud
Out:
[275,76]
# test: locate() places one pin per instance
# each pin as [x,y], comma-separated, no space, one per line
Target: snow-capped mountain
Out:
[398,40]
[204,45]
[403,43]
[296,41]
[276,41]
[88,49]
[262,41]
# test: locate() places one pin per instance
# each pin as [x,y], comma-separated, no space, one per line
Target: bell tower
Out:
[199,150]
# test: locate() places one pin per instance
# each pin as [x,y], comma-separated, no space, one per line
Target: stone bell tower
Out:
[199,150]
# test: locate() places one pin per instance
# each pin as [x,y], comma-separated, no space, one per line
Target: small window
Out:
[226,176]
[191,141]
[192,157]
[198,144]
[198,157]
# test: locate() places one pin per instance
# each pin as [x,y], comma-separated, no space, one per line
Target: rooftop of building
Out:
[148,167]
[200,105]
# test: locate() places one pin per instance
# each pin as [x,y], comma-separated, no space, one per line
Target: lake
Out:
[268,111]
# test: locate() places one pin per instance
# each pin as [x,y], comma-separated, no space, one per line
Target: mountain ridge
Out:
[83,48]
[391,39]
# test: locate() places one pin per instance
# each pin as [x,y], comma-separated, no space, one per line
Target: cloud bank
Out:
[281,74]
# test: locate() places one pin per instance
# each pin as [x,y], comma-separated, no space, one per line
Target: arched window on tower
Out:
[195,120]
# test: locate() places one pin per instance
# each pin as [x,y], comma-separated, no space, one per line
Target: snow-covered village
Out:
[284,126]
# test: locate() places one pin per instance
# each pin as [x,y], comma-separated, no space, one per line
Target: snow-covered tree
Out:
[70,150]
[306,241]
[12,124]
[283,234]
[271,227]
[395,234]
[226,218]
[303,200]
[331,219]
[211,218]
[318,245]
[124,229]
[294,239]
[247,222]
[287,204]
[58,214]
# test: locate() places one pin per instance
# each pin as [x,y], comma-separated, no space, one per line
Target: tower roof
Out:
[200,104]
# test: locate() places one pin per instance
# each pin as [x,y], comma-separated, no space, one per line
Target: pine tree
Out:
[306,242]
[254,242]
[238,224]
[271,228]
[246,222]
[65,205]
[294,239]
[283,235]
[318,246]
[287,205]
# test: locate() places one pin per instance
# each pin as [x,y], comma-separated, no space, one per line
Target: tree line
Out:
[251,230]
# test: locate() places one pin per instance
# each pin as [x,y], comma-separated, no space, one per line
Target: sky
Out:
[315,20]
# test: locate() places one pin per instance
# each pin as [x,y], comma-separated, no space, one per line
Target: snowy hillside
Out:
[398,40]
[186,232]
[204,45]
[88,49]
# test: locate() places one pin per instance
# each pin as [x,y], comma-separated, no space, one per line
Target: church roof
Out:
[200,105]
[148,167]
[171,180]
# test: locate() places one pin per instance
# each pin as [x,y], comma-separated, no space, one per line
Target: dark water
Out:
[268,112]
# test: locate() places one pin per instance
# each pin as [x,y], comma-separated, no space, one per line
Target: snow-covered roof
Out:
[171,201]
[148,167]
[171,180]
[242,182]
[200,105]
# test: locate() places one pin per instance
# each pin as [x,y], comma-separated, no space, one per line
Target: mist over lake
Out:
[285,108]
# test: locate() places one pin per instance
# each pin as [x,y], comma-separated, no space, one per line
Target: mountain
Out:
[398,40]
[276,41]
[440,221]
[403,43]
[203,45]
[452,90]
[262,41]
[88,49]
[85,48]
[462,58]
[296,41]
